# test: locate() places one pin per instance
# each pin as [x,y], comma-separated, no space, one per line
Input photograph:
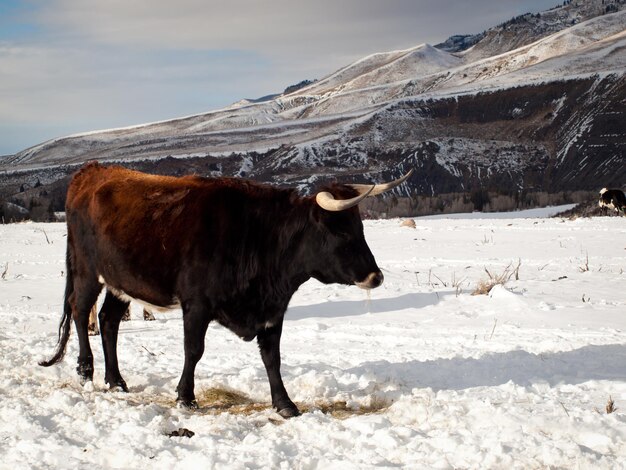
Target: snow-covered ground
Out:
[516,379]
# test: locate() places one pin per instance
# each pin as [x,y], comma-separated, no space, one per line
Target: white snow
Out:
[518,378]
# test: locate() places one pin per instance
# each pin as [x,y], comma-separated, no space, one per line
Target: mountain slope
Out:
[527,28]
[384,68]
[548,116]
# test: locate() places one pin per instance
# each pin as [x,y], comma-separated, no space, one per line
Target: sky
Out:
[70,66]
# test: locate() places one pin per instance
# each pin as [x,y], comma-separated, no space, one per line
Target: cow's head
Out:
[604,201]
[341,253]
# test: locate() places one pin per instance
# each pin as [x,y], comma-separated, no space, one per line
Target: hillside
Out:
[527,28]
[507,116]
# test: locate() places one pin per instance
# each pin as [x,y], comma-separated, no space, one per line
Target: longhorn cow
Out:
[222,249]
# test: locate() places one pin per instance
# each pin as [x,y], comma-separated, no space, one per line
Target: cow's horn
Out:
[381,188]
[328,202]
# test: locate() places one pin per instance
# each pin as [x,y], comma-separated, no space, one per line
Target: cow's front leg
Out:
[269,345]
[195,321]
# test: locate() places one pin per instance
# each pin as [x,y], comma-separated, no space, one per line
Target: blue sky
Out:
[69,66]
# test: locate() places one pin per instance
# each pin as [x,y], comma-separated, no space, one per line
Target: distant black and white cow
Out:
[224,249]
[613,199]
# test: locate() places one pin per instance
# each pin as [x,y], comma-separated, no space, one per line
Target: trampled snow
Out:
[427,375]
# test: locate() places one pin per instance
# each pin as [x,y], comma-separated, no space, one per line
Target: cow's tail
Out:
[66,319]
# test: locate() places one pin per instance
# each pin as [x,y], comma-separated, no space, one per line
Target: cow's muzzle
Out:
[372,281]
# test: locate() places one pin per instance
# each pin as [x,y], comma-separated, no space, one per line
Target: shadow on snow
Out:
[607,362]
[349,308]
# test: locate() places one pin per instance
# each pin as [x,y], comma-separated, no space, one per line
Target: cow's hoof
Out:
[187,404]
[289,412]
[117,386]
[85,373]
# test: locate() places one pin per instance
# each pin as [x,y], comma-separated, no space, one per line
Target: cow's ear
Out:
[317,214]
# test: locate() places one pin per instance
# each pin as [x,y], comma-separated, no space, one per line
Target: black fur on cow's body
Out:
[613,199]
[225,250]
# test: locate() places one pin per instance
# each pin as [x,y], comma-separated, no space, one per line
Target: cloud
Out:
[51,83]
[278,27]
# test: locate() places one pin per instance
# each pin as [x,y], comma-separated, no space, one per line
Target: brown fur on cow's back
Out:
[138,231]
[124,203]
[131,227]
[94,178]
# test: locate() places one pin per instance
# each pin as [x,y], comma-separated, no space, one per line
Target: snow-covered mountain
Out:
[537,103]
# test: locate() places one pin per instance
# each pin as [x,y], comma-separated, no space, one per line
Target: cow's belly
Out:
[246,331]
[245,314]
[150,302]
[248,318]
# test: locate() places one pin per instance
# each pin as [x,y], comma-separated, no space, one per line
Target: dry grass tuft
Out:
[484,286]
[221,399]
[610,406]
[164,401]
[585,267]
[217,400]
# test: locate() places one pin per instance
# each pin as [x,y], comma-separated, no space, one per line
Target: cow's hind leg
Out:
[195,321]
[269,345]
[111,313]
[82,299]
